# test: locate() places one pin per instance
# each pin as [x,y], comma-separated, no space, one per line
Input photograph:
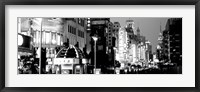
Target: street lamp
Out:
[40,63]
[95,40]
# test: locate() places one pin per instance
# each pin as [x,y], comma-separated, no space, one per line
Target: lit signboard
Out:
[20,40]
[24,41]
[65,61]
[98,22]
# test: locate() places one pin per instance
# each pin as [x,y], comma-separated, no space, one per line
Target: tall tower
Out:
[138,31]
[160,37]
[130,24]
[159,46]
[116,27]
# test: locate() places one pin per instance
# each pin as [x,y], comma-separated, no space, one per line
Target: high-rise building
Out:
[122,44]
[110,43]
[173,40]
[110,35]
[75,31]
[149,56]
[166,47]
[116,27]
[99,28]
[132,41]
[159,49]
[130,25]
[142,48]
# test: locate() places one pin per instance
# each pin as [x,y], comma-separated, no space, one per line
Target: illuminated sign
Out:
[20,40]
[24,41]
[98,22]
[59,61]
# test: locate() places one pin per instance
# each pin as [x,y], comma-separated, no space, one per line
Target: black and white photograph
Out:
[99,45]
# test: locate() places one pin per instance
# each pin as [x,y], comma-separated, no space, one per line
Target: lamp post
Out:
[40,46]
[95,39]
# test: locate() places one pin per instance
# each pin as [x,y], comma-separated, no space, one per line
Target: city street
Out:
[117,45]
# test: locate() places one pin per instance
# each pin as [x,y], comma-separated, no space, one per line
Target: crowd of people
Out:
[28,65]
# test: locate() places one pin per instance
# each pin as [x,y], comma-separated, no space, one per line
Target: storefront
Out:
[70,60]
[26,62]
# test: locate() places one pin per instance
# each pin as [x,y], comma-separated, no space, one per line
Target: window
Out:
[35,37]
[78,32]
[72,30]
[48,38]
[82,22]
[68,28]
[75,31]
[43,37]
[53,38]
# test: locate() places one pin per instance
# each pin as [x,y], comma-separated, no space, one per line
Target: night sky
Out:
[149,27]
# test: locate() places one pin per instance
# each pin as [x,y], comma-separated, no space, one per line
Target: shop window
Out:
[47,38]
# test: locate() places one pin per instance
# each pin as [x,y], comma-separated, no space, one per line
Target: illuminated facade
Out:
[116,27]
[142,48]
[130,25]
[132,47]
[122,44]
[55,31]
[132,41]
[50,28]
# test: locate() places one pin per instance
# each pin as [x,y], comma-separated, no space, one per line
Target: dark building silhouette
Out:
[98,27]
[172,41]
[43,60]
[159,49]
[166,46]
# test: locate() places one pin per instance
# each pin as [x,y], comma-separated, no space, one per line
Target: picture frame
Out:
[99,2]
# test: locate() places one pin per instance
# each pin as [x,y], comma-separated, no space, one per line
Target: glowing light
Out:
[78,67]
[20,40]
[94,38]
[54,41]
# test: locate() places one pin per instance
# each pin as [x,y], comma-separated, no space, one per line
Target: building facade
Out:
[132,41]
[172,41]
[116,27]
[99,28]
[132,47]
[75,32]
[46,33]
[122,46]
